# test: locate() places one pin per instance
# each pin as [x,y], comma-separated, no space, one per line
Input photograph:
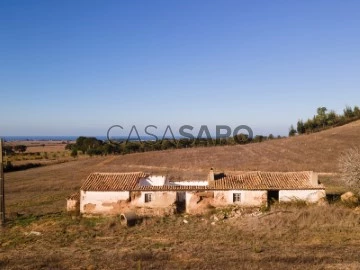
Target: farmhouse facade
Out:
[113,193]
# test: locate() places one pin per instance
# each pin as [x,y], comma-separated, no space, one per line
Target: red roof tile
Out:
[112,181]
[243,181]
[267,180]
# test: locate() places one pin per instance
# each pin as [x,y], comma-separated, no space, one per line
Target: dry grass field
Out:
[288,237]
[40,153]
[41,146]
[317,237]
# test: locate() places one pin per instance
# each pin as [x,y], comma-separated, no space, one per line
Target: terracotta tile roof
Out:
[251,181]
[267,180]
[112,181]
[243,181]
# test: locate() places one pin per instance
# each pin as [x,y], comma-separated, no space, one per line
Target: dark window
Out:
[148,197]
[236,197]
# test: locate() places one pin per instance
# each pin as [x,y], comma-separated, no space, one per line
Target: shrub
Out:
[74,153]
[349,165]
[20,148]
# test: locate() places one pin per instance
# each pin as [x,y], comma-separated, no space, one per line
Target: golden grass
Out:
[314,237]
[40,146]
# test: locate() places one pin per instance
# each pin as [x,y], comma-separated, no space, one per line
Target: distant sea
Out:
[41,138]
[67,138]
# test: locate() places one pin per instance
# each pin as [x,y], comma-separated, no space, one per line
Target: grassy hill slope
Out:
[43,190]
[317,151]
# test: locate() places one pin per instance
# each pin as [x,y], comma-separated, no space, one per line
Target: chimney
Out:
[314,179]
[211,176]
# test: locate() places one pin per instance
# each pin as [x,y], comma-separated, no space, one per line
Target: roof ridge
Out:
[286,172]
[118,173]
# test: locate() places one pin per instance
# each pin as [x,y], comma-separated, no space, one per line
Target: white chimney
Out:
[211,176]
[314,179]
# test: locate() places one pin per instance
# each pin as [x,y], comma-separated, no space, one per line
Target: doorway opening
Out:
[180,202]
[273,196]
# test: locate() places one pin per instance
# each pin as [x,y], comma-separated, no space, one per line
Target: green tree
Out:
[74,153]
[242,138]
[357,111]
[321,111]
[292,131]
[348,112]
[300,127]
[20,148]
[8,150]
[321,116]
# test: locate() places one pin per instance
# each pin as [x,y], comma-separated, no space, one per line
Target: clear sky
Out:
[78,67]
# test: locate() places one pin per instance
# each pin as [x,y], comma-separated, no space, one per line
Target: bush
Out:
[349,165]
[74,153]
[20,148]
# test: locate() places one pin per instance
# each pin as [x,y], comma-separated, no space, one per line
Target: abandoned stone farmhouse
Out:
[145,194]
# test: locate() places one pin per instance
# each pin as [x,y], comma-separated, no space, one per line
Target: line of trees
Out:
[92,146]
[9,150]
[325,119]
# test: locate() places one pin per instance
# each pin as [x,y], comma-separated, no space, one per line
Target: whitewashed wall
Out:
[189,183]
[100,202]
[306,195]
[153,180]
[159,199]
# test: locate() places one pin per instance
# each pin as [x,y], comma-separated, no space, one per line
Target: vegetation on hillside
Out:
[325,119]
[92,146]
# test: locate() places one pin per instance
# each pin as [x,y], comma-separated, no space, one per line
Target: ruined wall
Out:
[306,195]
[159,199]
[162,203]
[197,203]
[112,203]
[248,197]
[105,202]
[72,205]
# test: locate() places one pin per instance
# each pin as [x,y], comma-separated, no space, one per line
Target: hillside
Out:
[44,189]
[317,151]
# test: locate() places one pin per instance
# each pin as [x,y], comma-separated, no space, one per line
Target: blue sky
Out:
[78,67]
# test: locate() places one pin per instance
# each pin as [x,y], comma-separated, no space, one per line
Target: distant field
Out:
[41,146]
[40,152]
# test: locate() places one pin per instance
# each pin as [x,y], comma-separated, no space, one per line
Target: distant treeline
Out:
[9,167]
[9,150]
[325,119]
[92,146]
